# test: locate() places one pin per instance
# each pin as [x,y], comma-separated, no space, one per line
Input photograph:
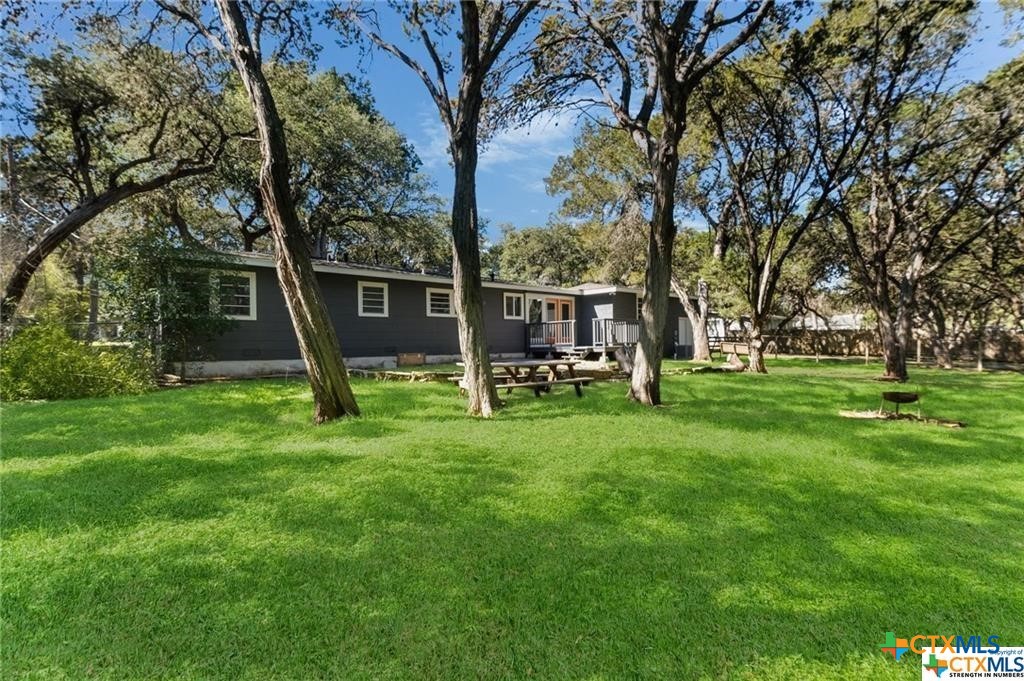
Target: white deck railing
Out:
[609,332]
[548,334]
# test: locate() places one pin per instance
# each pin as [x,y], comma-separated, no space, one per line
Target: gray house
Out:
[385,316]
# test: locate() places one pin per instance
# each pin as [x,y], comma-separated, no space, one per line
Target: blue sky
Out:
[510,182]
[512,166]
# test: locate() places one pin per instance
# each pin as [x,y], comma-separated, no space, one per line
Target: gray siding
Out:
[624,306]
[588,308]
[675,311]
[407,328]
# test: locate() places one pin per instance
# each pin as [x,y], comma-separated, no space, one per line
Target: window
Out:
[439,302]
[236,294]
[639,306]
[513,306]
[373,299]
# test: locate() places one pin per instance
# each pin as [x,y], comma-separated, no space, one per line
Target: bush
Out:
[44,363]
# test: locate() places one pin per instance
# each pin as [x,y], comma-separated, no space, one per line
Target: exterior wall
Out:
[620,305]
[267,344]
[407,328]
[624,306]
[588,308]
[675,311]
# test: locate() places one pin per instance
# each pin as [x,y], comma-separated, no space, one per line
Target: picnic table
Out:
[523,373]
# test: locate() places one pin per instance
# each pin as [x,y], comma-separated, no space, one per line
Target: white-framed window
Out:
[373,299]
[440,302]
[513,305]
[235,294]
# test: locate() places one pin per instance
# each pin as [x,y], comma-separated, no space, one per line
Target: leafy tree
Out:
[163,290]
[607,182]
[599,55]
[768,185]
[484,33]
[229,33]
[98,130]
[354,177]
[553,256]
[930,152]
[53,297]
[986,282]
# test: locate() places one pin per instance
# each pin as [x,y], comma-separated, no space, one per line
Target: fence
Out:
[1000,345]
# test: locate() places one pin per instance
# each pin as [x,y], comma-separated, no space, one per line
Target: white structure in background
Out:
[849,321]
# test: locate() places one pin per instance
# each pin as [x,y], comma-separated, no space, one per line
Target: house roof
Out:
[590,288]
[253,259]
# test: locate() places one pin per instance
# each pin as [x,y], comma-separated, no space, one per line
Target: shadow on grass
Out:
[214,533]
[452,566]
[240,412]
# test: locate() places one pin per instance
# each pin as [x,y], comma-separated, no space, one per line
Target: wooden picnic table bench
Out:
[735,348]
[523,373]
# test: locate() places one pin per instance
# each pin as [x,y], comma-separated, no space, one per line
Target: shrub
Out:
[44,363]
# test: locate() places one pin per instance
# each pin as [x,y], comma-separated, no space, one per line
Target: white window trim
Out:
[251,317]
[359,302]
[451,302]
[522,306]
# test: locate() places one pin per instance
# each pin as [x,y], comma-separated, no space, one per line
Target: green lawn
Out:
[744,531]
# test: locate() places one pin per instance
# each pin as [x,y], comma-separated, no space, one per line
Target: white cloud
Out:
[432,142]
[519,158]
[544,138]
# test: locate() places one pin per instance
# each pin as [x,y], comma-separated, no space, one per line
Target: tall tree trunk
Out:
[645,385]
[982,320]
[318,341]
[756,344]
[893,352]
[939,340]
[698,316]
[469,304]
[940,348]
[52,238]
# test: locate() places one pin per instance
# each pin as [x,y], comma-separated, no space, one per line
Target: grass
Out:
[745,531]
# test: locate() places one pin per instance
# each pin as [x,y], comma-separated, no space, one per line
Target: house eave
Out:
[262,260]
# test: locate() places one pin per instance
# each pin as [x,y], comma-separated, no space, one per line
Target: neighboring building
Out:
[853,321]
[381,313]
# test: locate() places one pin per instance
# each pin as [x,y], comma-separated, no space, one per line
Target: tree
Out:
[161,288]
[929,153]
[484,32]
[986,282]
[663,50]
[552,256]
[769,186]
[100,130]
[317,339]
[353,176]
[607,182]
